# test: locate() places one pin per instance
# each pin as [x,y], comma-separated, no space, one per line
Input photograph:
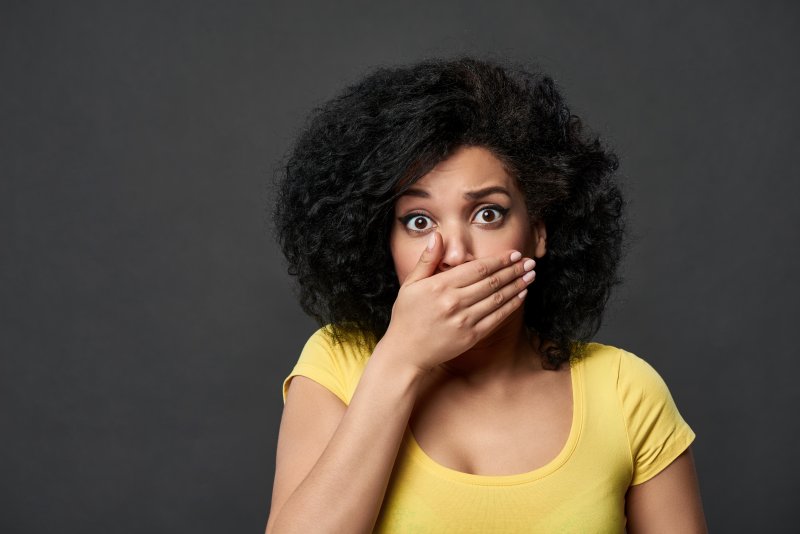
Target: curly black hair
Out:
[363,148]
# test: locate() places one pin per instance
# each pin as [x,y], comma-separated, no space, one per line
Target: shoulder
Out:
[338,347]
[629,370]
[656,431]
[331,360]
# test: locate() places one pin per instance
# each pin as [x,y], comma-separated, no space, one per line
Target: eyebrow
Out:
[471,195]
[485,192]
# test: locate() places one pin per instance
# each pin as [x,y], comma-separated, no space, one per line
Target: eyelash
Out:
[406,219]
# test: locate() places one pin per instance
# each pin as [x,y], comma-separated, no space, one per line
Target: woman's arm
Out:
[343,490]
[669,502]
[332,470]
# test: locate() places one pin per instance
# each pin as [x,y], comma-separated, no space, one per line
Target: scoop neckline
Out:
[576,379]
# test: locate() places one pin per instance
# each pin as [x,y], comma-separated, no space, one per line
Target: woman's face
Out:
[475,206]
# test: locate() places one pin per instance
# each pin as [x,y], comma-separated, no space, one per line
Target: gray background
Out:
[147,320]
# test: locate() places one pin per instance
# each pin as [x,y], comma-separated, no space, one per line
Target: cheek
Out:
[525,239]
[515,237]
[405,254]
[529,245]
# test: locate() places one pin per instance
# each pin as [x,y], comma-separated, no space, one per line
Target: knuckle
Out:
[494,282]
[482,268]
[450,305]
[498,298]
[471,337]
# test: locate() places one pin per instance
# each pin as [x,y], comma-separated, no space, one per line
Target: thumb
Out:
[428,260]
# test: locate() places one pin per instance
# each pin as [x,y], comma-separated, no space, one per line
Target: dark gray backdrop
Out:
[147,321]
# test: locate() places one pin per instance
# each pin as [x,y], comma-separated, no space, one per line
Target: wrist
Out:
[392,358]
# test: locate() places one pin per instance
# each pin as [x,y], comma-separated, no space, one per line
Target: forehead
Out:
[468,169]
[469,163]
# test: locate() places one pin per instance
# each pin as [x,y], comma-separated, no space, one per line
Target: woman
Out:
[458,232]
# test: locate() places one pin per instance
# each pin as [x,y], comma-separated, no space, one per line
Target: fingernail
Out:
[522,293]
[515,255]
[529,276]
[431,241]
[529,264]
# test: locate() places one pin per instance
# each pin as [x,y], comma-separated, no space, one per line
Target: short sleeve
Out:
[318,362]
[657,433]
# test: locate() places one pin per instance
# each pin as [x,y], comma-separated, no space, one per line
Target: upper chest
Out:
[517,428]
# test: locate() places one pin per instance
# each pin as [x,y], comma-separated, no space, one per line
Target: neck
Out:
[504,354]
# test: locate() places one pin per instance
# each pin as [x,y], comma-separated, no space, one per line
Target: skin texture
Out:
[459,280]
[470,227]
[443,204]
[668,502]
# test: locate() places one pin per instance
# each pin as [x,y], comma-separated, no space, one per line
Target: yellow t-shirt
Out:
[625,430]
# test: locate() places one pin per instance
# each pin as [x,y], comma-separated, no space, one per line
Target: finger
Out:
[428,260]
[500,298]
[490,321]
[470,272]
[514,273]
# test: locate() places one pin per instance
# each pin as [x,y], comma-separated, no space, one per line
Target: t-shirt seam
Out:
[678,446]
[631,457]
[298,371]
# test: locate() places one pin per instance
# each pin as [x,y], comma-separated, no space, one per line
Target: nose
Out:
[457,248]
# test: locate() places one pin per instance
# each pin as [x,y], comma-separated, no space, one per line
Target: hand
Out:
[437,317]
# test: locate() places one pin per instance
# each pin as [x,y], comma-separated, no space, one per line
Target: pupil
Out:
[419,222]
[488,216]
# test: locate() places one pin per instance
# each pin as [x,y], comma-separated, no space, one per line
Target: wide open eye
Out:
[416,222]
[490,214]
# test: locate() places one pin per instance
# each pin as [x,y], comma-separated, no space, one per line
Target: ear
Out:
[539,238]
